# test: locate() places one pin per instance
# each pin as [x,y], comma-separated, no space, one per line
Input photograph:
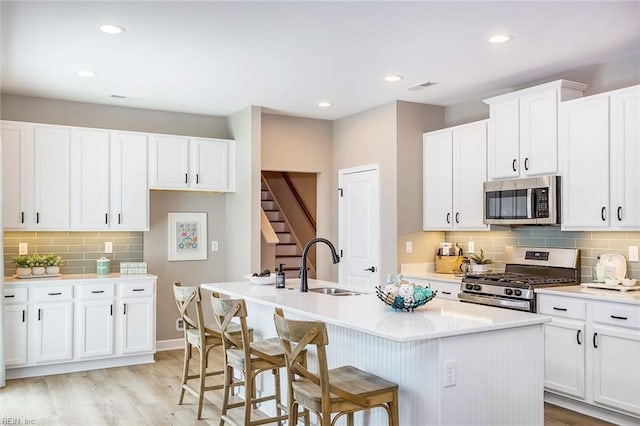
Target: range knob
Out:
[508,291]
[468,286]
[518,293]
[477,287]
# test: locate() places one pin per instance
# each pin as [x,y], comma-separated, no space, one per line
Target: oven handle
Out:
[523,305]
[529,203]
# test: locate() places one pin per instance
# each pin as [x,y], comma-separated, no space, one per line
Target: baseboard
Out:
[590,410]
[169,345]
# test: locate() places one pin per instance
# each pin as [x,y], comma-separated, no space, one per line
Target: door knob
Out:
[372,269]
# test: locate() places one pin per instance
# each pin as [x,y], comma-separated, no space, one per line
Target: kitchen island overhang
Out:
[497,354]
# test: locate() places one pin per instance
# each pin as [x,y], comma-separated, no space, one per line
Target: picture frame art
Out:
[187,236]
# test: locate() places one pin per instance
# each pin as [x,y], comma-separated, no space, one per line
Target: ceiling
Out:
[216,58]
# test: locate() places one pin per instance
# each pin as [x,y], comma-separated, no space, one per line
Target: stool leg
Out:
[276,379]
[203,376]
[249,393]
[350,419]
[393,407]
[185,370]
[293,413]
[228,378]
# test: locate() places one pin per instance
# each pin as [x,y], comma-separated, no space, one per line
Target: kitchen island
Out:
[494,357]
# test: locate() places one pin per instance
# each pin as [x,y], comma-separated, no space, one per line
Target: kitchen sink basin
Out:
[334,291]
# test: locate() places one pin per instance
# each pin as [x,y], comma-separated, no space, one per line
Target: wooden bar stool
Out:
[250,358]
[342,390]
[199,335]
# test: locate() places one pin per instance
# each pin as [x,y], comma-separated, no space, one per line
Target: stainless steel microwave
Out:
[526,201]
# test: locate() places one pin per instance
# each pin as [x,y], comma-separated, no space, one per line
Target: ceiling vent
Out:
[422,86]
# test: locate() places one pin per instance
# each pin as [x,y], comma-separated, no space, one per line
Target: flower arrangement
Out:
[22,261]
[37,264]
[52,260]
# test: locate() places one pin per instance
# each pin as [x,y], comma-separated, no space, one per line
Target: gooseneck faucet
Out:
[304,287]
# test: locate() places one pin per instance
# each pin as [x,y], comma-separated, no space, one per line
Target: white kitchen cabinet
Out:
[95,320]
[600,151]
[564,357]
[453,174]
[136,317]
[129,181]
[52,318]
[201,164]
[522,130]
[15,327]
[17,179]
[446,289]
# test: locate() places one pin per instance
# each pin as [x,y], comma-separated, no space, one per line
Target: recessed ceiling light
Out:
[86,73]
[393,78]
[111,29]
[324,104]
[500,38]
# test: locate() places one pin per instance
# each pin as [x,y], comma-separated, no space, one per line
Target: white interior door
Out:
[359,226]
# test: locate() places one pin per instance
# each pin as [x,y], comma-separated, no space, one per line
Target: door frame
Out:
[341,173]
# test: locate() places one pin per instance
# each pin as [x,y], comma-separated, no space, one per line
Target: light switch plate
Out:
[214,245]
[23,248]
[409,247]
[108,247]
[471,247]
[633,254]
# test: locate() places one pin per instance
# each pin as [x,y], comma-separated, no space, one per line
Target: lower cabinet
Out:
[446,289]
[15,327]
[52,319]
[94,320]
[592,350]
[136,322]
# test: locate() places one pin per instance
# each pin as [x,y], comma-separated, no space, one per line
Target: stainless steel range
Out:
[526,268]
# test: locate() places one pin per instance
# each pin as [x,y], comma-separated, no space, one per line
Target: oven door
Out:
[497,301]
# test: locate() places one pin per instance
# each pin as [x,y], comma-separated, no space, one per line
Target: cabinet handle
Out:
[119,218]
[9,296]
[39,314]
[448,217]
[513,165]
[111,310]
[106,218]
[24,315]
[97,291]
[560,309]
[620,213]
[619,318]
[578,337]
[526,163]
[37,217]
[138,289]
[197,178]
[186,178]
[604,209]
[54,294]
[595,344]
[21,217]
[457,217]
[446,292]
[124,309]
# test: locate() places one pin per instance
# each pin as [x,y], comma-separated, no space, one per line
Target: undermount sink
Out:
[334,291]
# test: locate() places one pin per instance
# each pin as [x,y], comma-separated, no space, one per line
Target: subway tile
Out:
[84,249]
[605,235]
[531,242]
[598,244]
[560,242]
[112,234]
[68,241]
[53,234]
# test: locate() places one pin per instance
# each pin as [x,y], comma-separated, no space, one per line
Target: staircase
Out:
[288,251]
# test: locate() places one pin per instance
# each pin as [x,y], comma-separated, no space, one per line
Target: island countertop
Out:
[367,314]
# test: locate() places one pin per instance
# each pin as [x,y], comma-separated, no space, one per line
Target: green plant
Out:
[479,259]
[37,260]
[22,261]
[52,260]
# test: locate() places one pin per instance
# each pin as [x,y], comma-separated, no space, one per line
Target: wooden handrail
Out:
[301,203]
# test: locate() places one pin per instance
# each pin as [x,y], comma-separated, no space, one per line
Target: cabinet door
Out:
[584,147]
[209,164]
[564,357]
[503,145]
[89,179]
[95,328]
[51,177]
[539,133]
[169,162]
[469,173]
[625,158]
[17,149]
[616,376]
[136,327]
[53,338]
[446,290]
[438,180]
[129,182]
[15,335]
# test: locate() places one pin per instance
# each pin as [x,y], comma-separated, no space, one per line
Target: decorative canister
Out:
[103,266]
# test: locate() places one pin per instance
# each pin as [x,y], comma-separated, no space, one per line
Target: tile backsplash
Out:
[591,244]
[79,250]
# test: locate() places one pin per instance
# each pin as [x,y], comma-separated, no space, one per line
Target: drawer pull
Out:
[111,310]
[619,318]
[124,309]
[97,291]
[9,296]
[560,309]
[138,289]
[54,294]
[595,344]
[24,315]
[446,292]
[578,337]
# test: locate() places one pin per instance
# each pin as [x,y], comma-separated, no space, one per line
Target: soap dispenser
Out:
[280,277]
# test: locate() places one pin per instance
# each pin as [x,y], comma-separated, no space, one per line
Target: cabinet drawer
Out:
[96,291]
[617,314]
[136,289]
[562,306]
[15,295]
[446,290]
[53,294]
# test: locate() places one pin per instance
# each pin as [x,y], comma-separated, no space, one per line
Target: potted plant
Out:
[480,263]
[52,263]
[37,264]
[23,264]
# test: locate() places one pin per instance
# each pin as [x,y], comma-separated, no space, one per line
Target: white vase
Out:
[479,269]
[38,270]
[53,270]
[23,272]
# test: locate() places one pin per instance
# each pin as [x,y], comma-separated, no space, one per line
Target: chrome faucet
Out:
[304,287]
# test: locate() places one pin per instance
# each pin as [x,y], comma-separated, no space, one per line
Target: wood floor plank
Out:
[144,395]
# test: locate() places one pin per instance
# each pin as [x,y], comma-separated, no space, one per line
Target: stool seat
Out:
[264,354]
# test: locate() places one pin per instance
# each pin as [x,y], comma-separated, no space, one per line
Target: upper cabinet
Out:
[201,164]
[523,128]
[129,181]
[599,157]
[454,170]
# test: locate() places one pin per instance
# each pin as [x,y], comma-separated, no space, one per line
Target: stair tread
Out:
[285,244]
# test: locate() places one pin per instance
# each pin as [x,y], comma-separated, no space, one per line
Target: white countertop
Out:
[367,314]
[632,297]
[432,276]
[77,277]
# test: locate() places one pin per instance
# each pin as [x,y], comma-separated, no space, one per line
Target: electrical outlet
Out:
[214,245]
[633,254]
[179,324]
[471,247]
[449,373]
[108,247]
[23,248]
[408,247]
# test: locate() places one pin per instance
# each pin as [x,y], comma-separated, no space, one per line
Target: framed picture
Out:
[187,236]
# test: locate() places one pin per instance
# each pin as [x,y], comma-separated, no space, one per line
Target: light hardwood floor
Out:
[140,395]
